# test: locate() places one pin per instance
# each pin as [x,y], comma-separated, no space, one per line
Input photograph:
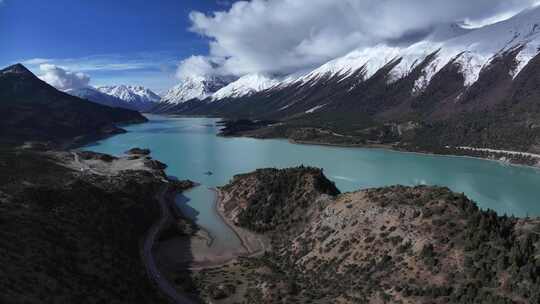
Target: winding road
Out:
[150,239]
[147,255]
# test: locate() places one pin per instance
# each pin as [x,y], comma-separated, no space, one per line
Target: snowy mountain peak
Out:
[197,87]
[92,94]
[470,49]
[136,97]
[447,31]
[131,93]
[245,85]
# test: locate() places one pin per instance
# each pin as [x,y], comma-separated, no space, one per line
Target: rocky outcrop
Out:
[276,200]
[138,151]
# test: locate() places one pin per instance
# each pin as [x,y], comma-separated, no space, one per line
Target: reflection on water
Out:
[190,148]
[198,204]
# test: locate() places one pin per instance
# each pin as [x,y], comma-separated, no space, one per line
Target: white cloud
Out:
[36,61]
[63,79]
[195,66]
[282,36]
[108,62]
[155,70]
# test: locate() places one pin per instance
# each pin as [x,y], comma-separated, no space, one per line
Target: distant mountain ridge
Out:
[195,87]
[458,87]
[138,97]
[93,95]
[32,110]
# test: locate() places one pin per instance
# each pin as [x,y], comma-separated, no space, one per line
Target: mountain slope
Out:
[194,88]
[96,96]
[388,245]
[245,86]
[447,82]
[33,110]
[137,97]
[77,232]
[191,90]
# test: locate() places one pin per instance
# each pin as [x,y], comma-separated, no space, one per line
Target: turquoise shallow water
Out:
[190,148]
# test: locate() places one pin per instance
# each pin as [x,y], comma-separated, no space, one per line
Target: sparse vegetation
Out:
[387,245]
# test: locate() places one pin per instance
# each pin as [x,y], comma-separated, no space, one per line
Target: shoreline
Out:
[220,214]
[241,233]
[388,147]
[213,259]
[178,213]
[392,149]
[316,143]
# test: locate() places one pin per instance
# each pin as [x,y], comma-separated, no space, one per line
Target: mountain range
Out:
[122,96]
[32,110]
[457,87]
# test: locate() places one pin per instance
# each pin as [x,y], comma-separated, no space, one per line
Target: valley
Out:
[203,258]
[270,152]
[473,88]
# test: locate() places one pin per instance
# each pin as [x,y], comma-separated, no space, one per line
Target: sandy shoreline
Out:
[253,243]
[203,254]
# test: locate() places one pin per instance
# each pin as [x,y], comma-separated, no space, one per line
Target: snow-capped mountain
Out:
[452,64]
[447,31]
[138,97]
[470,49]
[194,87]
[245,86]
[92,94]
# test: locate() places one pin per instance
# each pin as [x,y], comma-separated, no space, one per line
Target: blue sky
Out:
[155,43]
[113,41]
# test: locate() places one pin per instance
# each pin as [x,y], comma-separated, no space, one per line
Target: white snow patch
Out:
[472,50]
[525,55]
[285,107]
[130,94]
[367,60]
[314,109]
[194,87]
[245,86]
[471,64]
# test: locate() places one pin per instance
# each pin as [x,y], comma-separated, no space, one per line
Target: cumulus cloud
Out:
[196,66]
[63,79]
[282,36]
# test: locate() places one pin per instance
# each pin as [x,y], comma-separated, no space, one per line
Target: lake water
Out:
[190,147]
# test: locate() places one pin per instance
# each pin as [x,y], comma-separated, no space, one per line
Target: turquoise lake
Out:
[190,147]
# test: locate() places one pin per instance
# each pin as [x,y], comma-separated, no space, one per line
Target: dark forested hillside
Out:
[33,110]
[72,237]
